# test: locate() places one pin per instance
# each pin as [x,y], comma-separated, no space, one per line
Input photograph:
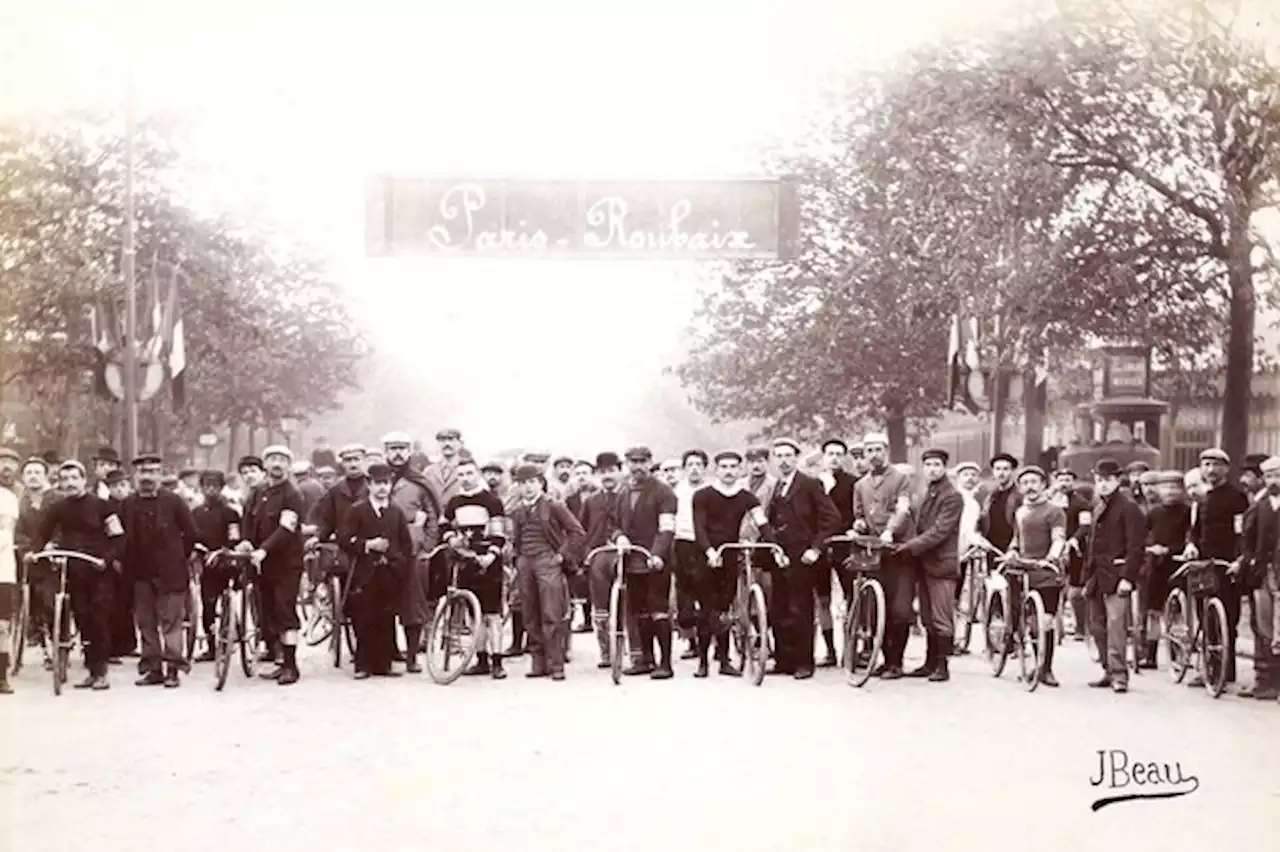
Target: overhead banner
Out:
[633,220]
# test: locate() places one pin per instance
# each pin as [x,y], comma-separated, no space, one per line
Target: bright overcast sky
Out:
[292,104]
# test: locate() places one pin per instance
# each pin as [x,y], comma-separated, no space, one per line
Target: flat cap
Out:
[396,439]
[1005,457]
[147,458]
[114,476]
[839,442]
[492,465]
[936,453]
[7,453]
[37,460]
[639,454]
[1137,466]
[559,460]
[1064,471]
[299,467]
[1271,465]
[878,439]
[169,480]
[968,465]
[71,464]
[1033,470]
[107,454]
[1215,454]
[1148,477]
[1168,477]
[1192,477]
[728,454]
[786,442]
[525,472]
[537,457]
[352,450]
[250,461]
[448,433]
[379,472]
[607,459]
[757,452]
[1107,467]
[278,450]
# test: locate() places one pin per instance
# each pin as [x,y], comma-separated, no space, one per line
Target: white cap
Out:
[878,438]
[397,438]
[277,450]
[301,466]
[1271,465]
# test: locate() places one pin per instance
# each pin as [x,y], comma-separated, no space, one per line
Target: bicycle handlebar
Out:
[868,542]
[1022,563]
[1188,564]
[70,554]
[779,555]
[617,548]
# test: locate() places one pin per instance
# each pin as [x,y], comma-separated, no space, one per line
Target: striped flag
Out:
[176,343]
[104,336]
[963,365]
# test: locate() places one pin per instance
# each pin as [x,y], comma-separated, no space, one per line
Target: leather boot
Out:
[289,668]
[727,668]
[1149,659]
[517,636]
[930,654]
[480,666]
[603,639]
[662,629]
[643,665]
[940,673]
[1046,668]
[412,643]
[5,688]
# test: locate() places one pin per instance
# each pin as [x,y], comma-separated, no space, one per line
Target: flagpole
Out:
[130,292]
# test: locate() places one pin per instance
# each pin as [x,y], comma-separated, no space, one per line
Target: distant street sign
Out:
[636,220]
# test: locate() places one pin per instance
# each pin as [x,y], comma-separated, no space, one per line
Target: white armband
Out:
[114,527]
[1237,523]
[233,532]
[289,520]
[666,523]
[903,504]
[758,517]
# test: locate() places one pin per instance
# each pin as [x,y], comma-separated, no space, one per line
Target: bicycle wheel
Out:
[451,640]
[341,623]
[865,636]
[247,630]
[966,609]
[319,624]
[224,635]
[1215,653]
[1177,634]
[335,637]
[756,656]
[995,630]
[18,640]
[1031,640]
[617,630]
[192,622]
[59,644]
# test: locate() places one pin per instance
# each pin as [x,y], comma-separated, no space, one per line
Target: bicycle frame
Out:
[617,601]
[1199,647]
[755,658]
[62,646]
[859,659]
[1014,567]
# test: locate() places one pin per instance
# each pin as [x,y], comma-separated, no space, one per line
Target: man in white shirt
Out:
[9,462]
[688,558]
[967,476]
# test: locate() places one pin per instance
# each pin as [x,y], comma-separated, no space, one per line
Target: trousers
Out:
[159,617]
[91,606]
[544,598]
[1109,625]
[937,605]
[793,609]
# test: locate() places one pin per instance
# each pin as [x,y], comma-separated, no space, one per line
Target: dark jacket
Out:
[651,524]
[1010,507]
[803,516]
[601,518]
[311,490]
[273,522]
[564,533]
[1219,523]
[160,556]
[26,534]
[936,542]
[376,573]
[1119,531]
[1260,543]
[841,495]
[329,513]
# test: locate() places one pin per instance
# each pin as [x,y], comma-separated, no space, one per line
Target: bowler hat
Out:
[1253,462]
[607,459]
[1012,460]
[525,472]
[379,472]
[106,454]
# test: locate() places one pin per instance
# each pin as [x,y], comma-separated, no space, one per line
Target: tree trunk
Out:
[1241,316]
[233,441]
[1034,403]
[896,426]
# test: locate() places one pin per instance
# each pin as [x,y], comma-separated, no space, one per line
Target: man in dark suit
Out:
[1261,562]
[1118,534]
[647,516]
[934,548]
[839,487]
[581,487]
[803,518]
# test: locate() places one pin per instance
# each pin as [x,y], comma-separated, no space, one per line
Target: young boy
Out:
[217,527]
[1168,523]
[477,533]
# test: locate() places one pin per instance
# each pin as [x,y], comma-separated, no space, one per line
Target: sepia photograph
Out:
[682,425]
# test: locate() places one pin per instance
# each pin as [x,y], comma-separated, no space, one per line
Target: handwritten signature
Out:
[1128,780]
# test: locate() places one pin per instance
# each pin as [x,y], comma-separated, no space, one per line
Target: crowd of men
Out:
[521,535]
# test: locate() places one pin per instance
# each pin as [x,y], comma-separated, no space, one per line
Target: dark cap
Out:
[114,476]
[1253,462]
[607,459]
[447,434]
[936,453]
[379,472]
[1136,467]
[188,471]
[213,477]
[493,465]
[837,441]
[106,454]
[1065,471]
[525,472]
[147,458]
[465,457]
[639,454]
[1032,469]
[1107,467]
[250,461]
[757,452]
[728,454]
[1012,460]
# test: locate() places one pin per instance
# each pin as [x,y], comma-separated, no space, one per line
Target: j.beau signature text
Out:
[1126,779]
[605,228]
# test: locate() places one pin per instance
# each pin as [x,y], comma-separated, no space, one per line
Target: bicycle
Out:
[237,616]
[971,607]
[61,638]
[326,616]
[617,630]
[865,614]
[748,616]
[191,611]
[457,617]
[18,638]
[1026,624]
[1198,638]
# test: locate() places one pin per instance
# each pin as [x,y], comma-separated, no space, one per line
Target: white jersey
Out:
[8,521]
